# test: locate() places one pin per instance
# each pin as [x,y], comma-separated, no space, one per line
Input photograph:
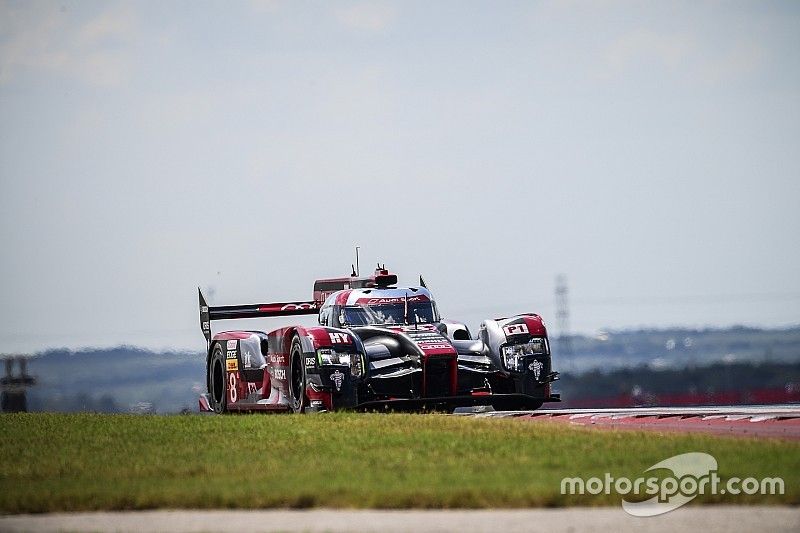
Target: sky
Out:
[647,151]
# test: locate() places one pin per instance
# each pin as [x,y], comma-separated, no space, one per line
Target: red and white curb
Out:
[756,421]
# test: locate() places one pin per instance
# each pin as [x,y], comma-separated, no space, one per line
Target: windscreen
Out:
[365,315]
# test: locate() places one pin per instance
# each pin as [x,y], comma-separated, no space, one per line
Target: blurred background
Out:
[628,170]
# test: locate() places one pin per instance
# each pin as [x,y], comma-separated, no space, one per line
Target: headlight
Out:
[328,356]
[514,355]
[356,368]
[513,359]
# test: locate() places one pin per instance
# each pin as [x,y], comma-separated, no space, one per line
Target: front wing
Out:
[500,402]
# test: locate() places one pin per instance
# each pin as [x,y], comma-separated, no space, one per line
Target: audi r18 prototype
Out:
[377,346]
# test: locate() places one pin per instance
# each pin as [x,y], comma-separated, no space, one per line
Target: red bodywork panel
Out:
[535,325]
[232,335]
[325,339]
[341,298]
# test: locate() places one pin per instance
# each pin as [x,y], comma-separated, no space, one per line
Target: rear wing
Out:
[325,287]
[228,312]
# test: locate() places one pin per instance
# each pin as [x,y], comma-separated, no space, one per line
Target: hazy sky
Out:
[649,151]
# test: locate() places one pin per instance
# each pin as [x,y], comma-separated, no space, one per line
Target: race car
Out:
[377,347]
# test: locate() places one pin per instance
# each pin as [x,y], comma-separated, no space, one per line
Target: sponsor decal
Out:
[232,345]
[388,301]
[429,339]
[311,362]
[317,404]
[279,373]
[233,393]
[515,329]
[231,365]
[204,309]
[206,326]
[436,347]
[248,358]
[536,366]
[340,338]
[428,345]
[297,307]
[231,354]
[251,388]
[277,359]
[418,327]
[337,378]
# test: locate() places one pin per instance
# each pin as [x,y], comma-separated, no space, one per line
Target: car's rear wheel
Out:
[217,381]
[297,377]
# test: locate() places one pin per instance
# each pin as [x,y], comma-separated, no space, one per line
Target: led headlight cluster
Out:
[328,356]
[514,355]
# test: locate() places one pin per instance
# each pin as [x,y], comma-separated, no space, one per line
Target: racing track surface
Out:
[781,421]
[711,519]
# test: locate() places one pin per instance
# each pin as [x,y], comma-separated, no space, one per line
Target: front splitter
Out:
[505,402]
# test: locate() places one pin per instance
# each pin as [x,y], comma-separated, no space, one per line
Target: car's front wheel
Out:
[516,404]
[297,378]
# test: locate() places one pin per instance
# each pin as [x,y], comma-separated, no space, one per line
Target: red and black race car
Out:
[377,346]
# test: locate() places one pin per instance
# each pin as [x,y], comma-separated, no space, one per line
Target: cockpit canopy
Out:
[379,307]
[388,314]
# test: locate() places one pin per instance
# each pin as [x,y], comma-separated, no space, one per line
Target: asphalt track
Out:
[710,519]
[777,421]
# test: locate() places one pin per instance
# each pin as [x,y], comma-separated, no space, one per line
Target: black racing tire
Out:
[532,405]
[516,404]
[218,380]
[297,377]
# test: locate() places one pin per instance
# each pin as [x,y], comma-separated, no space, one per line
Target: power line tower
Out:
[15,386]
[562,316]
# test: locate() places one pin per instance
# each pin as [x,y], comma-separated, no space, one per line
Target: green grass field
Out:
[53,462]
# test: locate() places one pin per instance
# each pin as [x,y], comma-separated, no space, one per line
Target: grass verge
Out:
[57,462]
